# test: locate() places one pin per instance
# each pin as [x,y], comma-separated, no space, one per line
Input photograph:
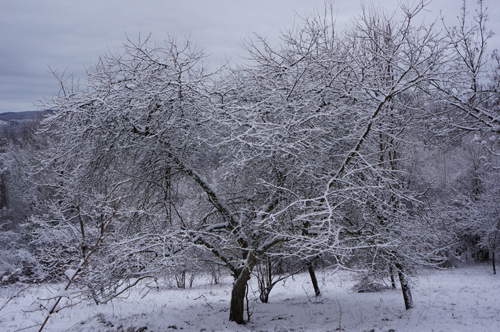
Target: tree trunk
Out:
[393,282]
[265,279]
[180,279]
[493,262]
[264,295]
[313,279]
[237,307]
[405,288]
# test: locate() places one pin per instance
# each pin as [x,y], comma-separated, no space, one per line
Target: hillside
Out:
[15,120]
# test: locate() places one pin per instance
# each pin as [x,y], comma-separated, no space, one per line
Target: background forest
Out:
[372,149]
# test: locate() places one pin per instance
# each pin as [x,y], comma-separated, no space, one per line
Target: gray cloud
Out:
[70,35]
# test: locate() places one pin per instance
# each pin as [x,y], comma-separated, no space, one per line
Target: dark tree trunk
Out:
[393,282]
[313,279]
[405,288]
[493,262]
[3,192]
[264,295]
[237,307]
[265,277]
[180,279]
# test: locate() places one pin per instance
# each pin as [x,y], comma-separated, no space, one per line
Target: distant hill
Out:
[24,116]
[16,120]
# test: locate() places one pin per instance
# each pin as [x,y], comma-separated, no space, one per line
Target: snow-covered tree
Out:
[298,154]
[468,99]
[365,208]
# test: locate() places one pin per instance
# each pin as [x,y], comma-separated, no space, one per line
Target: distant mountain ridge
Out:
[17,117]
[15,121]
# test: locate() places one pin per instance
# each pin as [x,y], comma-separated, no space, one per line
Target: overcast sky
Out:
[71,34]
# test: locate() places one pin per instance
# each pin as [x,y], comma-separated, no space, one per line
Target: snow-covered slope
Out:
[462,299]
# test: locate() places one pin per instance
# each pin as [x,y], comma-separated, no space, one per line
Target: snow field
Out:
[462,299]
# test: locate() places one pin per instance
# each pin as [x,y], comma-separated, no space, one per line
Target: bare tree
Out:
[296,155]
[385,69]
[472,107]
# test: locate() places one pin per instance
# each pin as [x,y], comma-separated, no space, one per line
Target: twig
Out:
[307,294]
[14,296]
[340,316]
[25,328]
[72,327]
[81,266]
[283,327]
[204,298]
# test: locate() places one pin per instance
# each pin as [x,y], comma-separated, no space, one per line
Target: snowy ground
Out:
[462,299]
